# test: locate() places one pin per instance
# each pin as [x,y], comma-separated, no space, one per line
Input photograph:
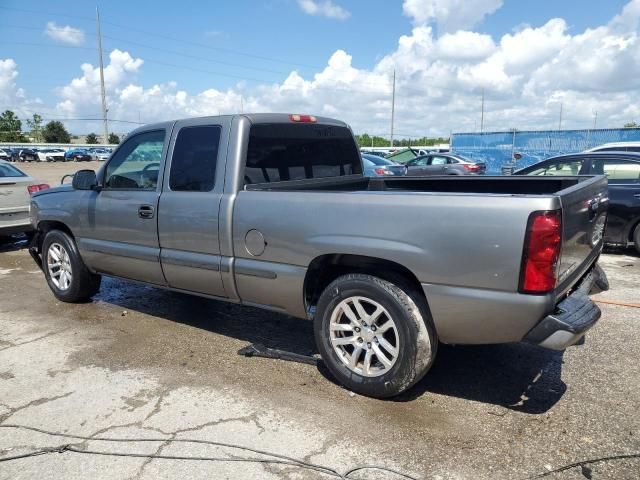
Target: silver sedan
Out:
[16,188]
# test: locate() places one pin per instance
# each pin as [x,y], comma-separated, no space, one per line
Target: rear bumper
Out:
[572,317]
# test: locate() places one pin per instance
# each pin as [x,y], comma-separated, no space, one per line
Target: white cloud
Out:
[8,76]
[85,90]
[450,15]
[525,74]
[13,97]
[465,46]
[324,8]
[64,34]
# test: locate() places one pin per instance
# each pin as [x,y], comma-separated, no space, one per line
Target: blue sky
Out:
[223,44]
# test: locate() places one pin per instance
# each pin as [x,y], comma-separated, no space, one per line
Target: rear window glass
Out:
[10,171]
[280,152]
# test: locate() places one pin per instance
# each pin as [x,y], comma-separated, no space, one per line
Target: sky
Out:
[334,58]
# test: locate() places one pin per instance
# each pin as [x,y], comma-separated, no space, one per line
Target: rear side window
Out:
[616,169]
[10,171]
[280,152]
[562,169]
[193,166]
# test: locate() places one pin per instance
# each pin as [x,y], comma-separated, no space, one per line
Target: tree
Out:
[54,132]
[114,139]
[92,138]
[35,125]
[631,125]
[11,127]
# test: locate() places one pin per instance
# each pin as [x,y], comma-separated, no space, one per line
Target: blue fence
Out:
[498,148]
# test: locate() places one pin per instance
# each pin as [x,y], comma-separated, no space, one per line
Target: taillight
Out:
[382,171]
[294,117]
[471,167]
[37,188]
[541,252]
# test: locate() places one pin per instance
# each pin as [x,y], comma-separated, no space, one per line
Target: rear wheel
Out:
[375,337]
[636,238]
[67,275]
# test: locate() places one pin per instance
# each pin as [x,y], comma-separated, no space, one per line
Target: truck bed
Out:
[507,185]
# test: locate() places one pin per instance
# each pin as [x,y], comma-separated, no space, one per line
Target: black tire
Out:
[636,238]
[83,284]
[416,337]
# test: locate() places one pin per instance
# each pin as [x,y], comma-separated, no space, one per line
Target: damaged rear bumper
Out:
[573,316]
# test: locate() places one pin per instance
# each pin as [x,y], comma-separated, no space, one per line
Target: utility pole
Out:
[482,113]
[393,105]
[560,119]
[595,119]
[104,95]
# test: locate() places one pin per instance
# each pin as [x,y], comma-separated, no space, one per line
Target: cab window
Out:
[438,160]
[193,165]
[616,169]
[561,168]
[136,164]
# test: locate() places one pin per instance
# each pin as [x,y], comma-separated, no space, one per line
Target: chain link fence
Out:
[497,149]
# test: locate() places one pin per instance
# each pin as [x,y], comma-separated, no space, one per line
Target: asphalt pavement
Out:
[141,363]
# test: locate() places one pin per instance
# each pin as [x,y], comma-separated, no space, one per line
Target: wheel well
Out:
[632,230]
[326,268]
[48,225]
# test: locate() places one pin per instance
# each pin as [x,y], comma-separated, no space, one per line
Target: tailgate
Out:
[584,208]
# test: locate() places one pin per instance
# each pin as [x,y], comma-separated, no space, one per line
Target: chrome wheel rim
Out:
[364,336]
[59,266]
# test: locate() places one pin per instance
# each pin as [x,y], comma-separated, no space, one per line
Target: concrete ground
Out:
[142,363]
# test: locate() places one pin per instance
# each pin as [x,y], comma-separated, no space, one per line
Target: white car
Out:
[51,155]
[16,188]
[616,147]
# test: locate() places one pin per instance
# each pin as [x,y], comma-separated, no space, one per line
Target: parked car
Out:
[16,188]
[444,164]
[77,155]
[623,173]
[5,154]
[377,153]
[51,155]
[100,154]
[12,153]
[616,147]
[272,210]
[28,155]
[375,166]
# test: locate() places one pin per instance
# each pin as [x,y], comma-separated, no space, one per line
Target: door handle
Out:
[637,195]
[145,211]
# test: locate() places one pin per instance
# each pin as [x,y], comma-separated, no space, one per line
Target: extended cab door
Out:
[118,233]
[189,206]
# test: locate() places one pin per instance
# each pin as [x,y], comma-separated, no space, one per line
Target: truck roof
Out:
[252,117]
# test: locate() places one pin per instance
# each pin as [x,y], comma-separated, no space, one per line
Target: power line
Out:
[166,37]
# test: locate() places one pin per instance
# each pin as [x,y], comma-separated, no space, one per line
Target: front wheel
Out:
[375,337]
[636,238]
[67,275]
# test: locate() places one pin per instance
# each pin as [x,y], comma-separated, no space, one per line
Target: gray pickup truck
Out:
[272,210]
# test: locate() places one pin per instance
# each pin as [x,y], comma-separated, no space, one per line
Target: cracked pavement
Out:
[139,362]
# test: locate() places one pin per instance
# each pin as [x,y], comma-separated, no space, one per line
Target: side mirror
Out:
[84,180]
